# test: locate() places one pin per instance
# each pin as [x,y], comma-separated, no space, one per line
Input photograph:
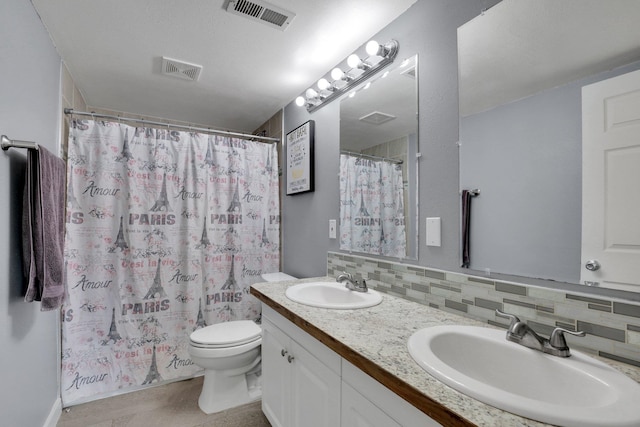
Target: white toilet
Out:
[229,352]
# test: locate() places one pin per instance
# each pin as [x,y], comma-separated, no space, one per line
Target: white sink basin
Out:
[332,295]
[574,391]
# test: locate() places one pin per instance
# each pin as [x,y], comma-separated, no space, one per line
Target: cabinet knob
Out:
[290,358]
[283,352]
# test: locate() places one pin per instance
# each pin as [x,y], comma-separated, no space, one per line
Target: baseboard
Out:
[54,415]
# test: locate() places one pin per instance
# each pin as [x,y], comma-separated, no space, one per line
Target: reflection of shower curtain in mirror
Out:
[371,207]
[166,231]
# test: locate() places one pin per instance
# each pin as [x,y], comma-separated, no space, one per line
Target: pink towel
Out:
[43,229]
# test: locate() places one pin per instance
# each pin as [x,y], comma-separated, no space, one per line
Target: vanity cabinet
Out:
[367,403]
[300,376]
[357,410]
[305,383]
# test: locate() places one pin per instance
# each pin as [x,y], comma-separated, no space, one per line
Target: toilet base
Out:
[220,392]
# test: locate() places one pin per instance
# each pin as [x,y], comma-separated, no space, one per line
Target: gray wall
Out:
[428,28]
[526,159]
[29,100]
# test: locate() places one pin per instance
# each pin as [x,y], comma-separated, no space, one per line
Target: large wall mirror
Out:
[378,168]
[522,67]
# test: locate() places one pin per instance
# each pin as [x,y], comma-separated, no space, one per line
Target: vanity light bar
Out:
[314,99]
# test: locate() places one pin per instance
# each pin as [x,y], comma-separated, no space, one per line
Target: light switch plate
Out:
[433,232]
[332,228]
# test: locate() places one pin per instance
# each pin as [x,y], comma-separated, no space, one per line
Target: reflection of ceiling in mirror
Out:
[362,117]
[520,47]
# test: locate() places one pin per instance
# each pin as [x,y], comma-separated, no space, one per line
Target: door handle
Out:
[592,265]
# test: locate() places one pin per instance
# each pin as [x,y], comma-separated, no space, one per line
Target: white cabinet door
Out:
[298,389]
[316,391]
[276,376]
[366,402]
[611,182]
[357,411]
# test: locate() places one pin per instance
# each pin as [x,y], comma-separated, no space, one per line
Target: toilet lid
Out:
[232,333]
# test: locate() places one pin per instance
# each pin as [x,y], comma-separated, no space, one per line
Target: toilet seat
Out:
[225,335]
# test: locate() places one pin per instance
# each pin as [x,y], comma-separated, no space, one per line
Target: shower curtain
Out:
[166,231]
[371,207]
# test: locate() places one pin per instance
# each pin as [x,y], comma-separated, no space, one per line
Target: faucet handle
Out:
[557,337]
[344,276]
[512,317]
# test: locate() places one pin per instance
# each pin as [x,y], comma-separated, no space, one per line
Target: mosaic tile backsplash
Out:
[612,326]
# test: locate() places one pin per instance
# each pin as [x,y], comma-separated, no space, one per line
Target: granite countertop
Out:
[375,340]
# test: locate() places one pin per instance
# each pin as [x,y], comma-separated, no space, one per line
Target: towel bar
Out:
[474,192]
[14,143]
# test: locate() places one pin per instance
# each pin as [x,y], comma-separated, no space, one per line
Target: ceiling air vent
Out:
[180,69]
[377,118]
[261,11]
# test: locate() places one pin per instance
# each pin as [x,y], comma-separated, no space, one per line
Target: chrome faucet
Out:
[351,283]
[520,333]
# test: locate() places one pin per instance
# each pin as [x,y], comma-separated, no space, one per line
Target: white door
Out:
[611,182]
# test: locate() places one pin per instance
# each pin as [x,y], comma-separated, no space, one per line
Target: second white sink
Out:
[332,295]
[572,391]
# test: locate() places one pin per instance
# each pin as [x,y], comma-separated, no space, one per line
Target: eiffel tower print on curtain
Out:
[162,204]
[157,288]
[400,202]
[230,284]
[208,158]
[265,239]
[204,240]
[113,334]
[268,166]
[363,208]
[235,205]
[153,376]
[125,154]
[121,242]
[200,322]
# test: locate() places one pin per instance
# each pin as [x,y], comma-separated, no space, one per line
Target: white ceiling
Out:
[520,47]
[113,50]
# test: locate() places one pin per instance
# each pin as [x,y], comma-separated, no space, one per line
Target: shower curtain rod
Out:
[71,111]
[369,156]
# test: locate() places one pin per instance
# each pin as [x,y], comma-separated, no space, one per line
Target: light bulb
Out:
[372,48]
[367,86]
[310,93]
[323,84]
[353,61]
[337,74]
[352,94]
[300,101]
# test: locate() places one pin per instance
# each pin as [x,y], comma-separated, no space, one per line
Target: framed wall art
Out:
[299,158]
